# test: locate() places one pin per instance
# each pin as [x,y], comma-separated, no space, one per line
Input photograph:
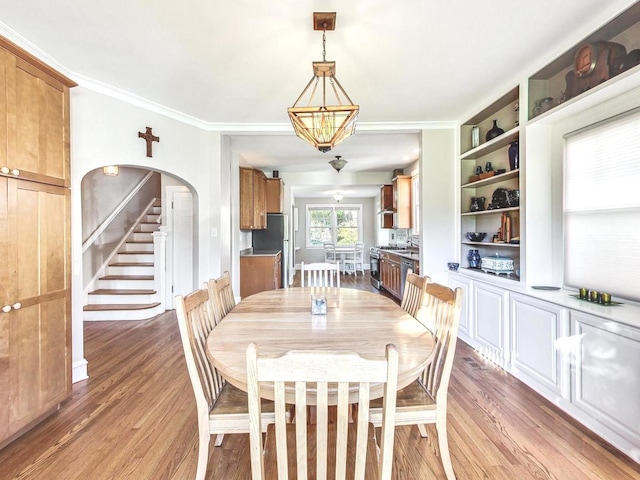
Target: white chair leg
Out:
[203,453]
[219,439]
[423,430]
[443,445]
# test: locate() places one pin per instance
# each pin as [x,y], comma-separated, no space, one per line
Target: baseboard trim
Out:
[79,371]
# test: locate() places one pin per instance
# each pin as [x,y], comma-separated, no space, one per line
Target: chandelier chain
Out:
[324,45]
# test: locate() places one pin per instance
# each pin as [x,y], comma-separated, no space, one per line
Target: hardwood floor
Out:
[134,418]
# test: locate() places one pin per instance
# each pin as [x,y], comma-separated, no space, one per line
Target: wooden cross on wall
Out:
[150,138]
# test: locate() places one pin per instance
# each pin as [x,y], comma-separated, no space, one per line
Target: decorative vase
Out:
[473,257]
[494,132]
[514,155]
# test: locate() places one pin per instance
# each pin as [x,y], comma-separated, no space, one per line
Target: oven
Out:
[374,267]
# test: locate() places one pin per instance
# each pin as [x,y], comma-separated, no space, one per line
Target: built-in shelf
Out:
[492,145]
[495,179]
[492,244]
[489,212]
[512,276]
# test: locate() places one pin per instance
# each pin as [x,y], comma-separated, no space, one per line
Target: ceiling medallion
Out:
[334,120]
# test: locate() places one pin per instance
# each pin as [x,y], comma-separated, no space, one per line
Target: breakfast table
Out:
[355,321]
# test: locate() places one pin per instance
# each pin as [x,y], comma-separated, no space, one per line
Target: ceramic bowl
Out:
[476,236]
[453,266]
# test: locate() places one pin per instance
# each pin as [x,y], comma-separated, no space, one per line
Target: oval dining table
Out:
[356,321]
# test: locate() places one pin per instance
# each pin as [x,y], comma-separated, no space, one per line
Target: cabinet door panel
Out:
[536,328]
[606,383]
[37,118]
[490,321]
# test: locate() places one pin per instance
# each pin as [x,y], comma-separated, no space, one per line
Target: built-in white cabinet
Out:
[490,329]
[605,381]
[465,318]
[540,349]
[583,358]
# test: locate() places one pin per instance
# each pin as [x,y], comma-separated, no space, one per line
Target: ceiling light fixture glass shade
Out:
[338,196]
[338,163]
[111,170]
[334,120]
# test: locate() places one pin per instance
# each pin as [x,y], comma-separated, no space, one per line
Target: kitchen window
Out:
[339,224]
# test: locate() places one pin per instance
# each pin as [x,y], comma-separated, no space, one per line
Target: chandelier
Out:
[325,125]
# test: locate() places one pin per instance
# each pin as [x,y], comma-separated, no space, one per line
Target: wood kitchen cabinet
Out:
[386,206]
[259,273]
[35,274]
[401,185]
[253,199]
[275,195]
[390,273]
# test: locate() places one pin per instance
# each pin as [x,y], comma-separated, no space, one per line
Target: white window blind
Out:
[602,207]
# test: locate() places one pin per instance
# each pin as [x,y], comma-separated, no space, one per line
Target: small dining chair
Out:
[414,288]
[355,259]
[225,293]
[425,400]
[330,252]
[311,374]
[320,274]
[221,407]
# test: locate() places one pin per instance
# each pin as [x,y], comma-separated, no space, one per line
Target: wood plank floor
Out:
[134,418]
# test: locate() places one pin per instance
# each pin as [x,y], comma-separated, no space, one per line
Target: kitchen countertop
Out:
[259,253]
[410,256]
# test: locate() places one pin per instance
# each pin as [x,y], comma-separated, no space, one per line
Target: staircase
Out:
[126,291]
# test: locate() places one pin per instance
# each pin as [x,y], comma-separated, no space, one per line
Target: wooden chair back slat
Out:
[441,306]
[323,372]
[225,294]
[195,323]
[320,274]
[414,289]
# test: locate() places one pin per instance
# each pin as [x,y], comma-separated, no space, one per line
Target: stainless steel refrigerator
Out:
[275,237]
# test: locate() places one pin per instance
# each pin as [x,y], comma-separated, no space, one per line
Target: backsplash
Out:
[399,236]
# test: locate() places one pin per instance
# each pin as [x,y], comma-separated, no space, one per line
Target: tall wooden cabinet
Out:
[35,274]
[253,199]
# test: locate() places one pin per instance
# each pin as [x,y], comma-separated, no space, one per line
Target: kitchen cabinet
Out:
[260,272]
[35,117]
[386,206]
[35,318]
[390,274]
[401,187]
[458,281]
[253,200]
[275,195]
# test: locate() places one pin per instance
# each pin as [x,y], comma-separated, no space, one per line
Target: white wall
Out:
[104,131]
[438,202]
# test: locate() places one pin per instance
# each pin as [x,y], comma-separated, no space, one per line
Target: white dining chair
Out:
[320,274]
[330,252]
[425,400]
[346,448]
[221,407]
[354,260]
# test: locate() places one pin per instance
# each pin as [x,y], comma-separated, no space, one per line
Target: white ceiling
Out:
[239,64]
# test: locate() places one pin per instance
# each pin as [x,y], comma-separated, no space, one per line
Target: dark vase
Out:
[514,155]
[474,258]
[494,132]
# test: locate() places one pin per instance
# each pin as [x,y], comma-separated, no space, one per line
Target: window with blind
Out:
[602,207]
[339,224]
